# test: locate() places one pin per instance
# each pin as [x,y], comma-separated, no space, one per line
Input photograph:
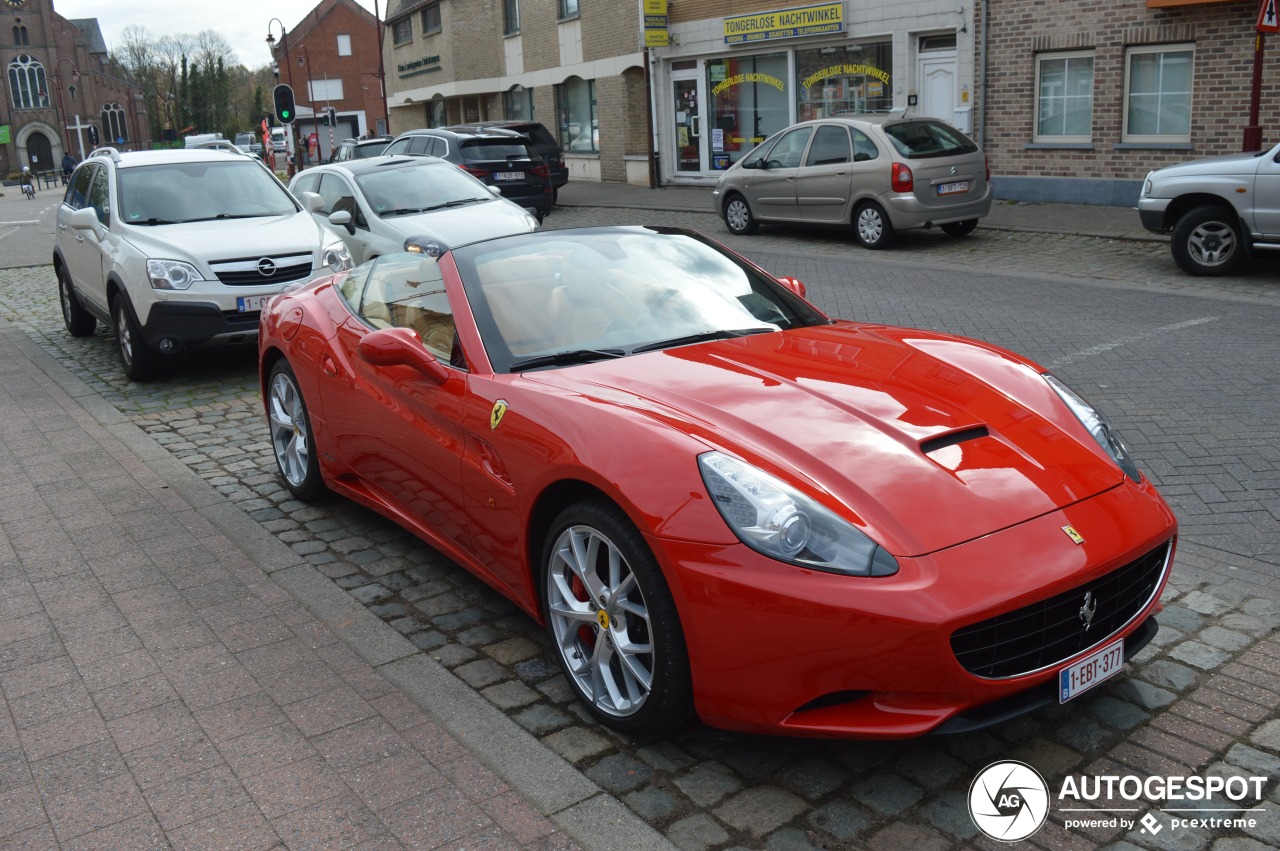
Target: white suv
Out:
[180,249]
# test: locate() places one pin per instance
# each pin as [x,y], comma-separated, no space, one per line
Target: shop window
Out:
[517,103]
[576,104]
[431,19]
[852,78]
[439,113]
[1064,97]
[510,17]
[402,31]
[748,102]
[1157,98]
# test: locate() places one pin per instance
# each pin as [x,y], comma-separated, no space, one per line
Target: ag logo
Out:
[495,416]
[1008,801]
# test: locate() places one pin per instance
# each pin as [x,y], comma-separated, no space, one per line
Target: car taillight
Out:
[478,172]
[902,179]
[541,170]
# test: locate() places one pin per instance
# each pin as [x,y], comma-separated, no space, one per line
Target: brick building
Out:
[577,70]
[1084,97]
[60,82]
[331,59]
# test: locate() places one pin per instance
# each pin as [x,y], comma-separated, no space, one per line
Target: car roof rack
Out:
[106,151]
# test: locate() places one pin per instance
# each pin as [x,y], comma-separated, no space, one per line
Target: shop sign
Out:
[425,65]
[655,31]
[846,69]
[823,19]
[655,7]
[739,79]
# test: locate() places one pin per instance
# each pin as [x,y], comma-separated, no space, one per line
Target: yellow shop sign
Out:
[823,19]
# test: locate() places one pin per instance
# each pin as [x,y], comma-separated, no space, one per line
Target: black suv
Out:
[501,158]
[543,142]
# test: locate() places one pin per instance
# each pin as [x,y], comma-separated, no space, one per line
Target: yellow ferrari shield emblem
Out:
[602,618]
[495,416]
[1073,534]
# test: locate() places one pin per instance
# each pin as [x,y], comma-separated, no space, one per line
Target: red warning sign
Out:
[1268,20]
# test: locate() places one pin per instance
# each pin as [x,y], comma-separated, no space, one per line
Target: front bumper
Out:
[871,657]
[1151,211]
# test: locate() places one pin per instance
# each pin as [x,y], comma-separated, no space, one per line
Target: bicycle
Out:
[28,190]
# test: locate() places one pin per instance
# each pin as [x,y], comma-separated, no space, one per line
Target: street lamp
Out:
[304,58]
[288,128]
[57,84]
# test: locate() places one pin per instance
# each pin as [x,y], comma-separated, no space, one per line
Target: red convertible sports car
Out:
[718,500]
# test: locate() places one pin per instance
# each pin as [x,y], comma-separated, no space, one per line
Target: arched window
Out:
[27,83]
[20,36]
[113,124]
[576,103]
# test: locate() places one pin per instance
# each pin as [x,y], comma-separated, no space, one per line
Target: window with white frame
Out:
[325,90]
[27,85]
[568,8]
[344,44]
[510,17]
[1157,95]
[402,31]
[1064,97]
[431,19]
[113,124]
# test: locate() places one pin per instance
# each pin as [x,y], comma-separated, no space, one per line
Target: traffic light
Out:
[330,116]
[284,104]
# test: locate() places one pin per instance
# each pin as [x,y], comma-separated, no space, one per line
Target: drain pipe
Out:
[982,71]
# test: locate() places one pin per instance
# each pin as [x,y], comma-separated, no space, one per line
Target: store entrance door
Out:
[937,75]
[688,124]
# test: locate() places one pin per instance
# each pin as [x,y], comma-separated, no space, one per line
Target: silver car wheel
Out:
[870,225]
[289,430]
[600,621]
[124,333]
[737,214]
[1212,243]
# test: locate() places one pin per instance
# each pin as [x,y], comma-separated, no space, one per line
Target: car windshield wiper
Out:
[457,202]
[565,358]
[152,221]
[700,337]
[221,216]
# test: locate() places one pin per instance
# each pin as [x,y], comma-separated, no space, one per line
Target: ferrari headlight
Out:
[775,519]
[336,256]
[1096,424]
[171,274]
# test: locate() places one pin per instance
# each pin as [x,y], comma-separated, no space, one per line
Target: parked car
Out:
[180,249]
[1218,209]
[358,149]
[701,484]
[376,204]
[879,173]
[543,142]
[501,158]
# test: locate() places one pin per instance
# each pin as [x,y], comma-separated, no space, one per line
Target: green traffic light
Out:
[284,113]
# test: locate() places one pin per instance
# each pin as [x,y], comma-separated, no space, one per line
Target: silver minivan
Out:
[878,173]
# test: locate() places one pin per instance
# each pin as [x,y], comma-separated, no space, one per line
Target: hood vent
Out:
[964,435]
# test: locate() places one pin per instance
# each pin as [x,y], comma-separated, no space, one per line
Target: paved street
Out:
[1183,366]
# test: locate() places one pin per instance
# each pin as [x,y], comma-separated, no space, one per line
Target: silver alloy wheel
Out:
[600,621]
[1212,243]
[289,430]
[738,215]
[124,331]
[64,290]
[870,225]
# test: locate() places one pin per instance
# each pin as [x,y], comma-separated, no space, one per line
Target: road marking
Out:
[23,222]
[1125,341]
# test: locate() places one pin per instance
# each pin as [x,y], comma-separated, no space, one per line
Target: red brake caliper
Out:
[585,635]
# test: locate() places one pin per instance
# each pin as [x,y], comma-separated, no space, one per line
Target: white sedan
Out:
[375,204]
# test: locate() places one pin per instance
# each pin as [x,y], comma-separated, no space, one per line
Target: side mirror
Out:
[795,285]
[753,164]
[401,347]
[311,201]
[497,192]
[342,218]
[85,219]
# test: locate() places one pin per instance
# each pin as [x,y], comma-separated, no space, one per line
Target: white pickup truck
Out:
[1218,209]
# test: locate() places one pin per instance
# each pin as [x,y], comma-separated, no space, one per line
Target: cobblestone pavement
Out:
[1183,365]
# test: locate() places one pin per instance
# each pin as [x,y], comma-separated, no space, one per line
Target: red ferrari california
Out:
[719,501]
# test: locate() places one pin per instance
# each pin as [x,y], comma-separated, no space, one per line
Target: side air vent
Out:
[963,435]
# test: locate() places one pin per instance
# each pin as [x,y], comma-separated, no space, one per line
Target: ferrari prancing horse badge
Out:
[495,416]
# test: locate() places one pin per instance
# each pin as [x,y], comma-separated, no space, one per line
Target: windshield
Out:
[200,191]
[560,297]
[420,187]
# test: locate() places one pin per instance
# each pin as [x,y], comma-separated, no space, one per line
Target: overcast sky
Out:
[244,23]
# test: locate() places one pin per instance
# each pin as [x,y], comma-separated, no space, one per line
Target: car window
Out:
[370,150]
[757,157]
[199,191]
[540,135]
[439,147]
[399,146]
[485,150]
[863,148]
[407,291]
[830,146]
[99,197]
[419,144]
[78,190]
[343,153]
[338,195]
[306,183]
[790,148]
[422,186]
[925,138]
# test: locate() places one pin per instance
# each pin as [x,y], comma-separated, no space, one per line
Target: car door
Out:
[340,196]
[80,257]
[772,188]
[398,430]
[822,183]
[94,249]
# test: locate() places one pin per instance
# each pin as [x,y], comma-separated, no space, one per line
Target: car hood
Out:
[200,243]
[922,440]
[456,226]
[1229,164]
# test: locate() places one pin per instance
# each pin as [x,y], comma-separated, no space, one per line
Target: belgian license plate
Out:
[245,304]
[1088,672]
[953,188]
[508,175]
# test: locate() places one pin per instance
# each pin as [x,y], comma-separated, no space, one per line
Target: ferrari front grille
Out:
[1051,631]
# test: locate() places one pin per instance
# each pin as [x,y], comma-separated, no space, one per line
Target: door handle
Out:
[80,239]
[329,366]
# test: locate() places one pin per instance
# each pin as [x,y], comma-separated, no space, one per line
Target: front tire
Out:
[291,437]
[614,623]
[871,226]
[138,362]
[79,322]
[960,228]
[738,217]
[1207,241]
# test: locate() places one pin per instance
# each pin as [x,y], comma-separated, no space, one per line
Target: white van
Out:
[279,142]
[199,139]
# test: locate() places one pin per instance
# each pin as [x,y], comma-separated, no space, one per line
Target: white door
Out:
[936,82]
